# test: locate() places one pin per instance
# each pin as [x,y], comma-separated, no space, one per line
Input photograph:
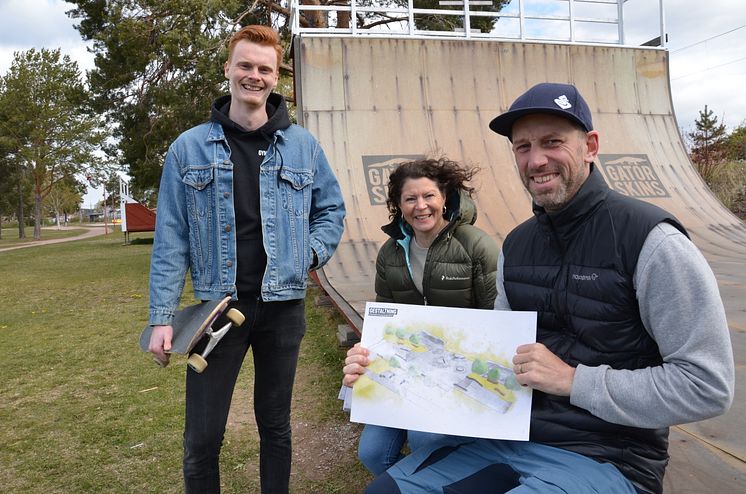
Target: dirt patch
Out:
[318,449]
[241,414]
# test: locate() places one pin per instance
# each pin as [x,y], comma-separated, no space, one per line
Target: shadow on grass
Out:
[142,241]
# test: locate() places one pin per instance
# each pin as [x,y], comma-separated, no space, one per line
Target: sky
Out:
[706,41]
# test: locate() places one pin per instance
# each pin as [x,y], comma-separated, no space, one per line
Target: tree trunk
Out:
[19,213]
[316,18]
[37,214]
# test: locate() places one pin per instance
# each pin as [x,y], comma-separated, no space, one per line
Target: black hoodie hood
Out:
[277,113]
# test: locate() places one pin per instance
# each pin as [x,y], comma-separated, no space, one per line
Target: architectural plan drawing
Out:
[445,370]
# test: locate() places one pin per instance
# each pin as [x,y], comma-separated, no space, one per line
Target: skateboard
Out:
[193,323]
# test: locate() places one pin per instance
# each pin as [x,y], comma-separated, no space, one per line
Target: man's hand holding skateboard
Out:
[160,344]
[188,327]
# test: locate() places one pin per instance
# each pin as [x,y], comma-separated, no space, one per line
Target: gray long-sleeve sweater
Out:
[681,308]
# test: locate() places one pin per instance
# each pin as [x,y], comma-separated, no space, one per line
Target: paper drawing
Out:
[445,370]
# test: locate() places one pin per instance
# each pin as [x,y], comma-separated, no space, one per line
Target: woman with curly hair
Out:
[434,256]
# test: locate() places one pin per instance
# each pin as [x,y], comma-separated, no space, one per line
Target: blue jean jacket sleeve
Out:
[326,218]
[170,258]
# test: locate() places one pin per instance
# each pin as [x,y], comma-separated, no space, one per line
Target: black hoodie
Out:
[248,148]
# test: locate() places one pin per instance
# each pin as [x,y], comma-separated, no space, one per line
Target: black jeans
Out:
[273,331]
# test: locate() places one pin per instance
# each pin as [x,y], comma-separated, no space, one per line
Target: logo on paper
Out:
[382,312]
[563,102]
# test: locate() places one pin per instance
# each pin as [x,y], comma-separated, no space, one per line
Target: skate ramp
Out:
[374,102]
[139,218]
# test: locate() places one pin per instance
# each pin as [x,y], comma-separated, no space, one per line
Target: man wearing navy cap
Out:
[632,336]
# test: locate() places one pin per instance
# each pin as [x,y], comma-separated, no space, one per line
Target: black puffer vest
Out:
[575,268]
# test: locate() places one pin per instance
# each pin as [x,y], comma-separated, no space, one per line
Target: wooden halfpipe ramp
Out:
[374,102]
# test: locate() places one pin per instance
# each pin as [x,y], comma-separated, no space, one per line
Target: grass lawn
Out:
[83,410]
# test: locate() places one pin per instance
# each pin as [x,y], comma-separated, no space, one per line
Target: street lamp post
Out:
[106,206]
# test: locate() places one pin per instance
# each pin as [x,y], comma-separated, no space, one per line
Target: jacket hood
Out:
[460,210]
[277,112]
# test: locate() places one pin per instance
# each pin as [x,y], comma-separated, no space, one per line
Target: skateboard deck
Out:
[189,324]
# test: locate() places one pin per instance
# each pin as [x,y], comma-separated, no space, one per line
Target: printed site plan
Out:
[444,370]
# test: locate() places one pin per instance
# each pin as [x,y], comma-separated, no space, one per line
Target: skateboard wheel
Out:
[197,363]
[235,316]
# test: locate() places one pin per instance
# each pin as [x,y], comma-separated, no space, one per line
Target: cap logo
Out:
[563,102]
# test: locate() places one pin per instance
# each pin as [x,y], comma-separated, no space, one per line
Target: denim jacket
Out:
[301,208]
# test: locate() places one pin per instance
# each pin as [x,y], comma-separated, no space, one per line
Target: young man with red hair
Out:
[248,204]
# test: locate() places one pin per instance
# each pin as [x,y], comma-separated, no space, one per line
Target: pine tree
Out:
[737,144]
[708,144]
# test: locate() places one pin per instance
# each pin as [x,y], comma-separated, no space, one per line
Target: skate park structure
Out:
[376,97]
[136,217]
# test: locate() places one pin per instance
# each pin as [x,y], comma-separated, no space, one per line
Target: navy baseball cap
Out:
[563,100]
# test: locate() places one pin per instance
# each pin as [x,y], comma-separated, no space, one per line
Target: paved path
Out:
[91,231]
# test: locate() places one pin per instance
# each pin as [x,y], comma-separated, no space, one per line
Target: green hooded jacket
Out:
[459,269]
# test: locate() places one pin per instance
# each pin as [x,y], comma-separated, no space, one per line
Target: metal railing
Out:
[573,21]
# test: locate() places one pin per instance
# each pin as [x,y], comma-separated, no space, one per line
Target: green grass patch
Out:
[83,410]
